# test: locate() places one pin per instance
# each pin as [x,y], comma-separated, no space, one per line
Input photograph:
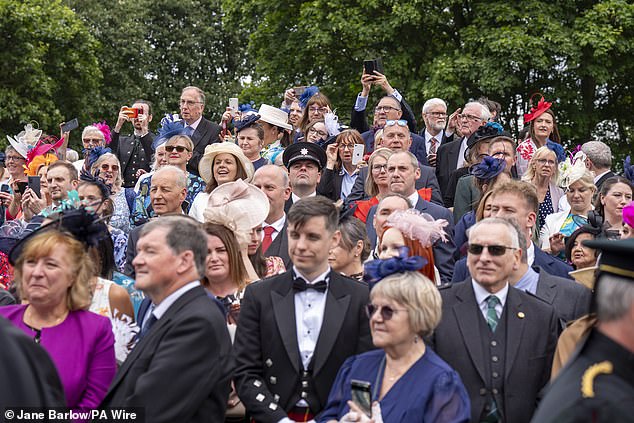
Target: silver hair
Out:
[201,93]
[180,177]
[599,153]
[434,102]
[512,229]
[485,114]
[614,297]
[118,179]
[90,129]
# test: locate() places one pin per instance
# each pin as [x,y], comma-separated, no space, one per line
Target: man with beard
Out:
[435,118]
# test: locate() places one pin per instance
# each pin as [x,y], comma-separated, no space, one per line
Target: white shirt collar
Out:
[321,277]
[296,198]
[596,178]
[530,254]
[196,123]
[482,294]
[278,225]
[167,302]
[413,198]
[429,136]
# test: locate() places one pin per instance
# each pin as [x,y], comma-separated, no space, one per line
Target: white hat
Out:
[25,140]
[211,151]
[274,116]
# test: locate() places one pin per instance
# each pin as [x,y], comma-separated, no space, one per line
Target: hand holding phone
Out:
[361,395]
[70,125]
[233,104]
[357,153]
[34,184]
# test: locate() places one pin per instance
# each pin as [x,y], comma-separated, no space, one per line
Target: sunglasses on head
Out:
[400,122]
[494,250]
[386,311]
[179,148]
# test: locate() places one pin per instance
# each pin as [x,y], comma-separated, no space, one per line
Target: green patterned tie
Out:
[492,316]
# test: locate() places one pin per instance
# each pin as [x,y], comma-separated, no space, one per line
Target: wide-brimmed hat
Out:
[304,151]
[274,116]
[212,150]
[239,206]
[25,140]
[487,132]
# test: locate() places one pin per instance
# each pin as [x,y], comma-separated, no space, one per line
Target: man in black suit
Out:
[499,339]
[273,181]
[518,200]
[450,155]
[297,329]
[134,151]
[598,161]
[180,369]
[200,130]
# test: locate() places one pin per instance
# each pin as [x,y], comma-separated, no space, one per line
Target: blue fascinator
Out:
[95,153]
[557,149]
[488,168]
[247,108]
[170,125]
[307,94]
[376,270]
[628,169]
[246,122]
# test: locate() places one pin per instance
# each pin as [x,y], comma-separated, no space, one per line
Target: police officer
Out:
[597,384]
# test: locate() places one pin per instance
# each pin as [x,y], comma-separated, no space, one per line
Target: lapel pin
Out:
[521,315]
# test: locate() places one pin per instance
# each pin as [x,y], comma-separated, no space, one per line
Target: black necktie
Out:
[148,324]
[300,285]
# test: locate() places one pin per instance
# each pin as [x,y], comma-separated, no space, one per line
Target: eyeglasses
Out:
[178,148]
[344,146]
[106,167]
[317,109]
[92,141]
[386,311]
[470,117]
[399,122]
[320,133]
[546,161]
[436,114]
[13,158]
[494,250]
[379,167]
[385,109]
[189,103]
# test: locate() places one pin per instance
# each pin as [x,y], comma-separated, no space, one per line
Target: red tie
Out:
[268,238]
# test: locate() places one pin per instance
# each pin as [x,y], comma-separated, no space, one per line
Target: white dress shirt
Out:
[297,198]
[482,294]
[428,138]
[463,148]
[278,225]
[160,309]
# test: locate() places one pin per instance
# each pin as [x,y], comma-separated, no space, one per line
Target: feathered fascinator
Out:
[307,94]
[557,149]
[25,140]
[628,169]
[170,125]
[418,226]
[105,130]
[347,212]
[79,222]
[95,153]
[247,108]
[536,111]
[374,271]
[41,154]
[105,190]
[238,206]
[572,169]
[628,214]
[488,168]
[247,122]
[13,231]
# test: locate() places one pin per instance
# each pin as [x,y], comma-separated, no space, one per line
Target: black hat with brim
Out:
[304,151]
[616,256]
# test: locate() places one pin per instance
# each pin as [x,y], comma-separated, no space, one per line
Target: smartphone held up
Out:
[132,112]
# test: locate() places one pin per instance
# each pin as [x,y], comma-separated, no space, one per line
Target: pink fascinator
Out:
[418,226]
[238,206]
[105,130]
[628,214]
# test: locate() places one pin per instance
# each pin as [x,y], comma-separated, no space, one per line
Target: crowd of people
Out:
[282,266]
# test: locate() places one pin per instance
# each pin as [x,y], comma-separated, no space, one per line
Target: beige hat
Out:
[239,206]
[274,116]
[212,150]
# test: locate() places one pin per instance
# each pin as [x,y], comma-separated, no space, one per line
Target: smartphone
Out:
[233,104]
[299,90]
[362,395]
[132,112]
[70,125]
[357,153]
[34,184]
[22,186]
[369,66]
[5,188]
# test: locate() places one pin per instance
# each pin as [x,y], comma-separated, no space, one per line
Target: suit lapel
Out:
[200,132]
[467,312]
[515,321]
[283,301]
[546,290]
[369,227]
[337,303]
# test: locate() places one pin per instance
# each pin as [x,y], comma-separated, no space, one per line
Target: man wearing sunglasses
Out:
[500,339]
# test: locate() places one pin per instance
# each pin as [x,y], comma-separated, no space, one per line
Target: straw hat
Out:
[274,116]
[212,150]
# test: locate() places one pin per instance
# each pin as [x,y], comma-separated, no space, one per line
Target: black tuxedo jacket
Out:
[446,162]
[603,179]
[122,146]
[531,338]
[279,247]
[330,184]
[181,370]
[268,364]
[206,133]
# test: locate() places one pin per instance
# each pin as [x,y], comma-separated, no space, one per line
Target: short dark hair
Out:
[72,172]
[149,104]
[310,207]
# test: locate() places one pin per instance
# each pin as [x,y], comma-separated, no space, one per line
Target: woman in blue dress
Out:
[409,382]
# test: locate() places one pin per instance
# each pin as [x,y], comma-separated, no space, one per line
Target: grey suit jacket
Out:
[570,299]
[531,338]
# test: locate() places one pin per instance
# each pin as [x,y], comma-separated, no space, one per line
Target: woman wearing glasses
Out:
[340,174]
[407,381]
[578,182]
[543,173]
[108,168]
[316,108]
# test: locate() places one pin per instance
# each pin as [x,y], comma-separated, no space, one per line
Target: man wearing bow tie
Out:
[297,329]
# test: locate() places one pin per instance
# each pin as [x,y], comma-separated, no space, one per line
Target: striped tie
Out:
[492,316]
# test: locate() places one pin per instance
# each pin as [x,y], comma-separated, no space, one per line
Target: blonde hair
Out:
[176,138]
[418,295]
[118,179]
[370,186]
[82,268]
[540,153]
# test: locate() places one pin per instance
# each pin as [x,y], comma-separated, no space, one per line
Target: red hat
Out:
[542,106]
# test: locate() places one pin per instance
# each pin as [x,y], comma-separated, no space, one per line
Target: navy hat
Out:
[304,151]
[487,132]
[616,257]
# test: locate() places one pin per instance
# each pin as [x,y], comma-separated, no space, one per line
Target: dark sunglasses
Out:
[179,148]
[494,250]
[386,311]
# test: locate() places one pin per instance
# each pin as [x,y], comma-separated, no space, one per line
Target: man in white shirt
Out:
[435,118]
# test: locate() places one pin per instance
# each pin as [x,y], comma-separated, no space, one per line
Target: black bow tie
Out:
[300,285]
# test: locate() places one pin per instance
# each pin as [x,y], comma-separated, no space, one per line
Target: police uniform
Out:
[597,385]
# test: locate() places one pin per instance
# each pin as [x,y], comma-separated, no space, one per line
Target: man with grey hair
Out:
[202,131]
[599,380]
[180,369]
[435,118]
[499,339]
[598,161]
[450,156]
[167,193]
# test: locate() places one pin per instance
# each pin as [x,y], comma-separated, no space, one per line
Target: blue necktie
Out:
[148,323]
